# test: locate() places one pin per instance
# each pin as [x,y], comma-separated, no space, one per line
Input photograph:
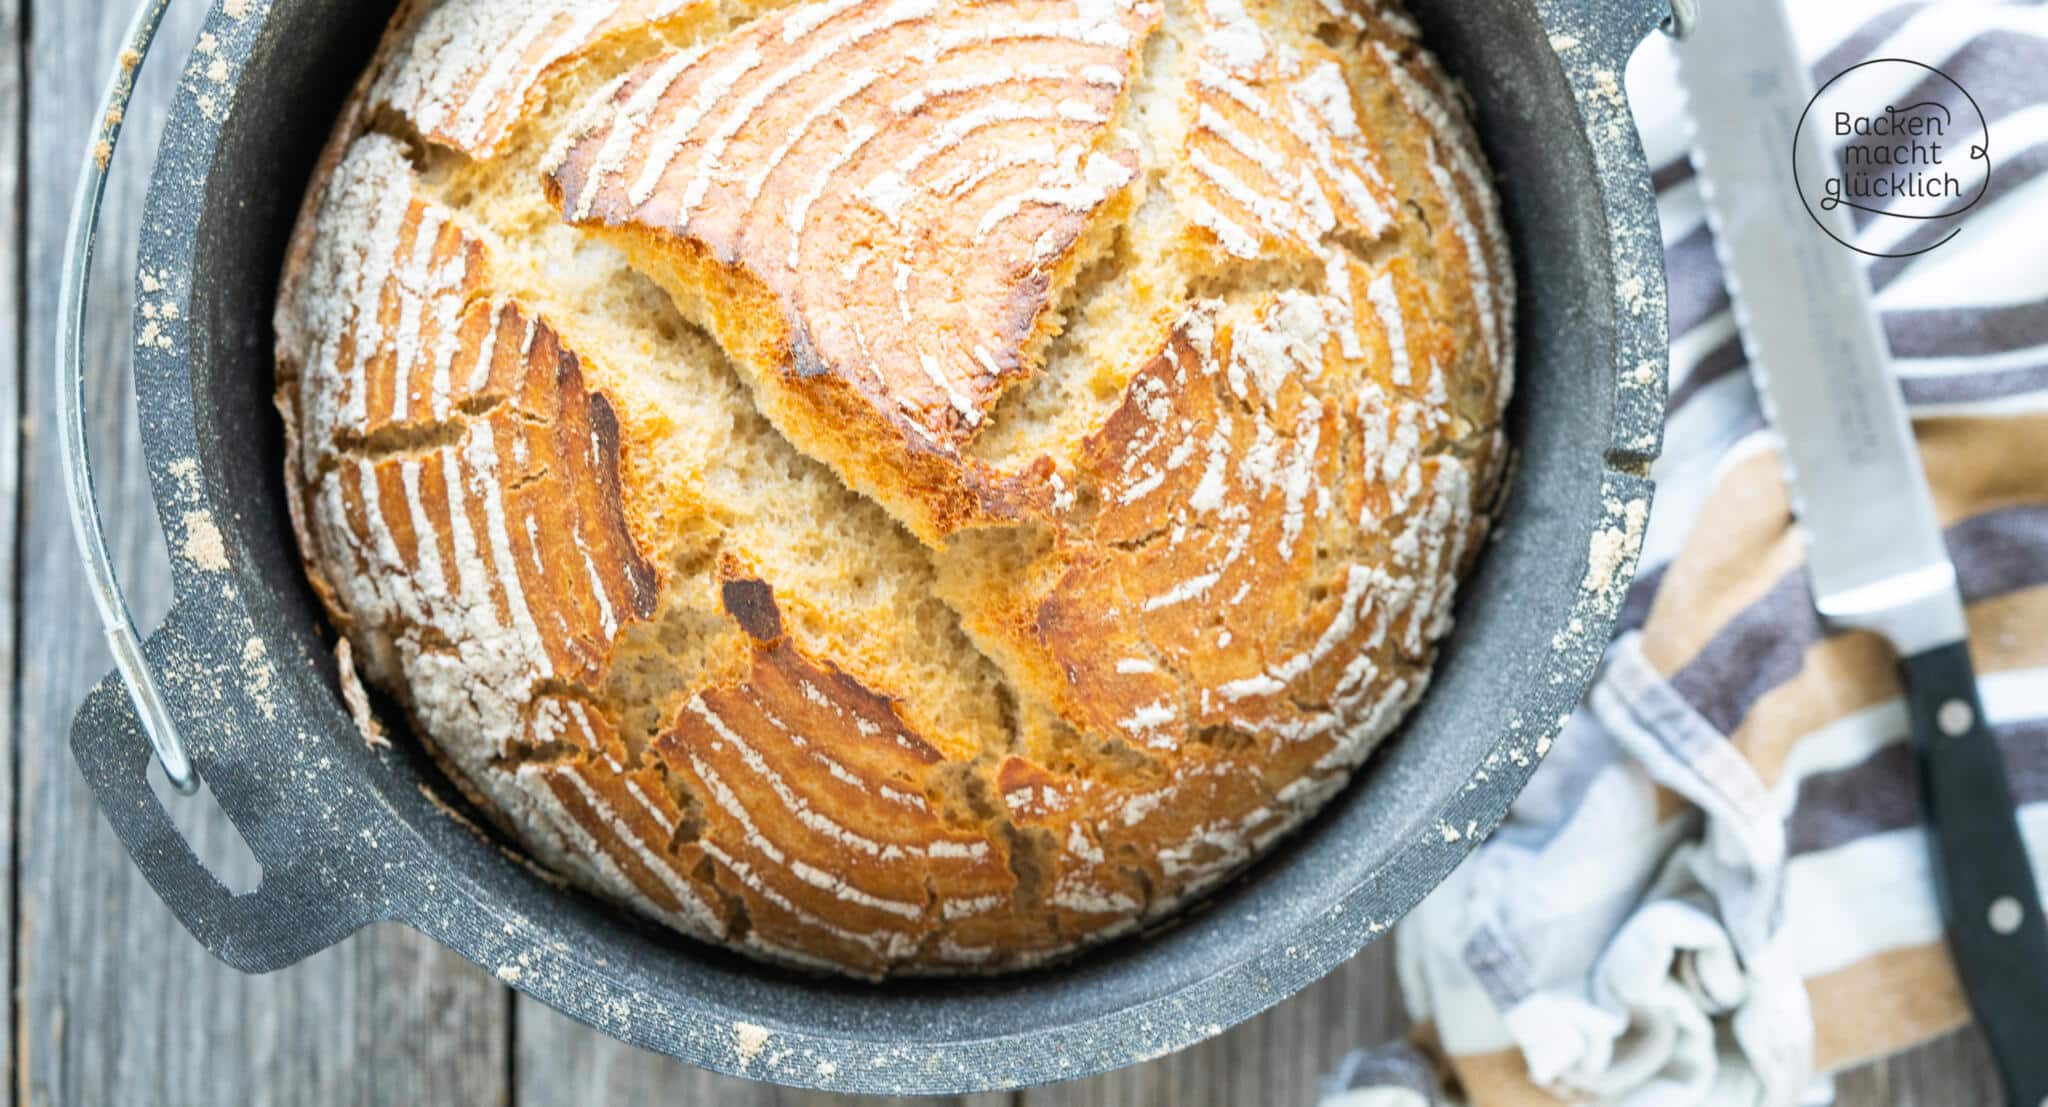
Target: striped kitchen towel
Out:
[1716,887]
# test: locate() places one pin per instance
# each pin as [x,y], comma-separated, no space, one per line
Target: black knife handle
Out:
[1996,929]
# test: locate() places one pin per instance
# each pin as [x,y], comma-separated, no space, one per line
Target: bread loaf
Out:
[897,485]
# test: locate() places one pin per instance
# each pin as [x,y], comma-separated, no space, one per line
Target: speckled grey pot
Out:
[348,837]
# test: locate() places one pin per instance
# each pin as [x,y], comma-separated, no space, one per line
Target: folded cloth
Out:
[1717,887]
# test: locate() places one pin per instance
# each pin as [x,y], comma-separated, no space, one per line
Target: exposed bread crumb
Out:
[356,697]
[454,813]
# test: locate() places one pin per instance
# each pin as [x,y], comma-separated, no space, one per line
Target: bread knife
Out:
[1875,557]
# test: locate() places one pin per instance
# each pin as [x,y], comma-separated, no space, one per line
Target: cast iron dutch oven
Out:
[349,836]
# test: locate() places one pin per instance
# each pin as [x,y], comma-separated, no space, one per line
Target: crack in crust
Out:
[1177,612]
[877,202]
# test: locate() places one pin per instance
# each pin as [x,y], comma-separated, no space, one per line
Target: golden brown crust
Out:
[1274,162]
[466,74]
[816,808]
[879,203]
[1175,617]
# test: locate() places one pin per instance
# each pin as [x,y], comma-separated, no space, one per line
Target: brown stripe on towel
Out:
[1994,553]
[1882,1004]
[1853,672]
[1743,545]
[1744,549]
[1500,1079]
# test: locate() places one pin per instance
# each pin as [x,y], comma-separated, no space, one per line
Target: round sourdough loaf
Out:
[897,485]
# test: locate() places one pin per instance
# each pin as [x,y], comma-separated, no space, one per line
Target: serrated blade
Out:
[1875,555]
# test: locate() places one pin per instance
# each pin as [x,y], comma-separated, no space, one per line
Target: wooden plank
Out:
[559,1060]
[116,1004]
[13,201]
[1279,1057]
[1943,1073]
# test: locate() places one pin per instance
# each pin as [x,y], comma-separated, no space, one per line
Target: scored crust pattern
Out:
[897,485]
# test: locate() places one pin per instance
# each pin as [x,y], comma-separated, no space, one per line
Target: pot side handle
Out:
[297,909]
[1593,41]
[305,901]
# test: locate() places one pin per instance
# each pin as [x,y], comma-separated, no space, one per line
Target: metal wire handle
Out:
[122,636]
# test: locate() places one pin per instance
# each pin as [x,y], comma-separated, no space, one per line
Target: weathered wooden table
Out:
[115,1005]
